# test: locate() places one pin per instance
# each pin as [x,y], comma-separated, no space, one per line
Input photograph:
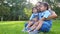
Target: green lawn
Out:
[15,27]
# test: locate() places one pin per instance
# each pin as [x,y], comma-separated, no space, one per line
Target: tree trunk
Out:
[1,18]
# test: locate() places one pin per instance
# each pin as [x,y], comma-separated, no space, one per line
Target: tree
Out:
[13,9]
[3,10]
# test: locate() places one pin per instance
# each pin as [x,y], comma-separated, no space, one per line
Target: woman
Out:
[53,15]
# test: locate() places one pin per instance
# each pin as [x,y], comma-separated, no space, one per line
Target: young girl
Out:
[43,25]
[33,19]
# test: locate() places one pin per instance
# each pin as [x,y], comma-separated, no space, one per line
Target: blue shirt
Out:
[45,14]
[34,15]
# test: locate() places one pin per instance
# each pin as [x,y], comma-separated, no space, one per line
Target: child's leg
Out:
[29,24]
[24,29]
[25,24]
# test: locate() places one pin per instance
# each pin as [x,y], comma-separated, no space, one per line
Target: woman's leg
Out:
[45,28]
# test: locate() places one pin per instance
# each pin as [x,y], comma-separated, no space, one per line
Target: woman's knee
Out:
[34,32]
[44,28]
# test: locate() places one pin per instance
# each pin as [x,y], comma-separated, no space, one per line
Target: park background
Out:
[14,13]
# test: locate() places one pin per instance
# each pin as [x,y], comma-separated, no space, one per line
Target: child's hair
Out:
[33,8]
[46,5]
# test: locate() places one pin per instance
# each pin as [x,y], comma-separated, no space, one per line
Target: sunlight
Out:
[32,1]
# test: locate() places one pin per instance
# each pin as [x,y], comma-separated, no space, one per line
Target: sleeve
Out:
[31,17]
[47,13]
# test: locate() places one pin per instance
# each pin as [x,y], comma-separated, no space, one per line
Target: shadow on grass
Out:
[51,32]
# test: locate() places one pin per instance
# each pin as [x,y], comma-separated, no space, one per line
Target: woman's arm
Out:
[52,16]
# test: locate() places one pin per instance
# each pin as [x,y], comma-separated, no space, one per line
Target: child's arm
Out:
[31,17]
[40,23]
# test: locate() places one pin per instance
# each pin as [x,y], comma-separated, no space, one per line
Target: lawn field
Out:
[15,27]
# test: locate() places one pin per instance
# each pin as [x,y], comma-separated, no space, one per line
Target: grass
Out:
[15,27]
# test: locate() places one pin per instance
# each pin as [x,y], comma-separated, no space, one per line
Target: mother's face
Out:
[38,6]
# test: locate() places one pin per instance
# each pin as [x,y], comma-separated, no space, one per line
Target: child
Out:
[43,24]
[33,19]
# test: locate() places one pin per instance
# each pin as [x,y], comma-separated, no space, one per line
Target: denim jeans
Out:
[44,28]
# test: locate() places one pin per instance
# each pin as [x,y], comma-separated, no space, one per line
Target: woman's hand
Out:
[52,16]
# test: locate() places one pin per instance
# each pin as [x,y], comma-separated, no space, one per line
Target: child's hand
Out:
[30,30]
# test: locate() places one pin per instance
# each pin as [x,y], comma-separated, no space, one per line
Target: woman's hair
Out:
[46,5]
[33,8]
[40,2]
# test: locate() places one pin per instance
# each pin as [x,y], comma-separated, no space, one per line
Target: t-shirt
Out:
[45,14]
[34,15]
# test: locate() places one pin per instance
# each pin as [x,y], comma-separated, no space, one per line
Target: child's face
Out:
[34,10]
[42,8]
